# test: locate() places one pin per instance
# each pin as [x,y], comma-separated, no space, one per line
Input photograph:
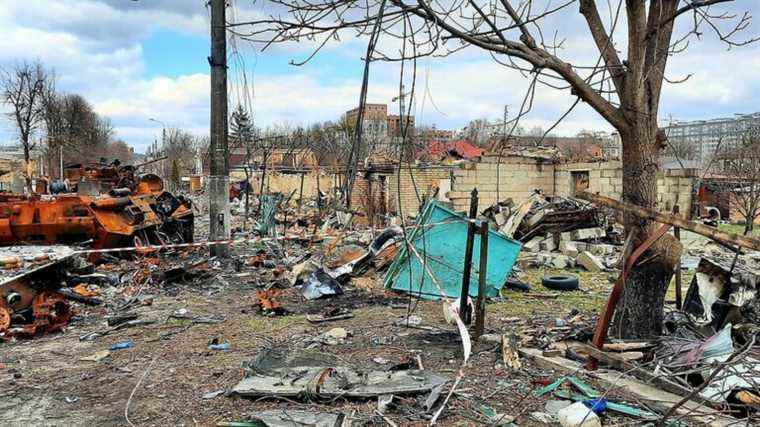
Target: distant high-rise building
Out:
[378,122]
[612,146]
[699,139]
[395,126]
[375,119]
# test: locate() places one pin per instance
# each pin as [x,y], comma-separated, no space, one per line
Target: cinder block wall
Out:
[516,177]
[286,183]
[519,176]
[674,187]
[605,178]
[423,178]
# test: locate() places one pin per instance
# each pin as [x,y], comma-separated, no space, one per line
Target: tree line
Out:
[58,125]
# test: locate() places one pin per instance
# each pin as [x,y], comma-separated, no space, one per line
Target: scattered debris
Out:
[219,346]
[590,262]
[268,304]
[97,357]
[332,382]
[320,268]
[212,394]
[509,354]
[122,345]
[330,315]
[314,281]
[578,415]
[281,418]
[334,336]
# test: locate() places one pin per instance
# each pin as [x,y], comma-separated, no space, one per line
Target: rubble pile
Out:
[561,233]
[334,321]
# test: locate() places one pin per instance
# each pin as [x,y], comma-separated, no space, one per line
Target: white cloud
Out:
[96,49]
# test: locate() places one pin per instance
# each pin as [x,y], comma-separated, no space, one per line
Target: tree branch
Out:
[604,43]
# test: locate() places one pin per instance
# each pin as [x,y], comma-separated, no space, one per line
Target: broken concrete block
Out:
[588,233]
[528,261]
[600,249]
[565,236]
[561,261]
[553,260]
[547,245]
[568,248]
[533,245]
[545,258]
[581,246]
[590,262]
[536,218]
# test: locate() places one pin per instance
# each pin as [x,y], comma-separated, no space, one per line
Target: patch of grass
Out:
[590,299]
[266,324]
[737,229]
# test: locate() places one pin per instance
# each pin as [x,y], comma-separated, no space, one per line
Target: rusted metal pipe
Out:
[111,203]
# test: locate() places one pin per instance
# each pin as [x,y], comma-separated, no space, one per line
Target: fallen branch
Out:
[728,239]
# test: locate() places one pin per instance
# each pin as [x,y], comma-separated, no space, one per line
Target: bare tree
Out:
[180,148]
[478,132]
[24,86]
[75,130]
[741,170]
[242,134]
[120,150]
[624,90]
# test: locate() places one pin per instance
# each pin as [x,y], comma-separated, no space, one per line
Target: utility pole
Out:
[504,128]
[219,178]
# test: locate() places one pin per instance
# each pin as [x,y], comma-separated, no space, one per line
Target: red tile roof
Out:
[461,148]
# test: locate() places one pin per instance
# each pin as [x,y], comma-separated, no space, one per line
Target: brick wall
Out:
[369,195]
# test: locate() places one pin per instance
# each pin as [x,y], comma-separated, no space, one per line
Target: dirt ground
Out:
[163,377]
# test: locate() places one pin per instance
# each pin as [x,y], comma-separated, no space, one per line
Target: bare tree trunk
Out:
[263,176]
[640,311]
[27,167]
[247,192]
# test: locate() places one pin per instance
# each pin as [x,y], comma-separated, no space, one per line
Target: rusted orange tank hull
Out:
[108,221]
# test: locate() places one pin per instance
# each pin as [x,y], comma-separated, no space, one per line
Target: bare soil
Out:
[44,381]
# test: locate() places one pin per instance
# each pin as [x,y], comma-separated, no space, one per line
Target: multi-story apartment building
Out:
[699,139]
[375,119]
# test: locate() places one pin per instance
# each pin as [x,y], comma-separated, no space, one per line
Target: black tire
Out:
[560,283]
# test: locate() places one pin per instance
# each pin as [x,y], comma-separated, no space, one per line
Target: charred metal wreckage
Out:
[29,303]
[110,206]
[107,206]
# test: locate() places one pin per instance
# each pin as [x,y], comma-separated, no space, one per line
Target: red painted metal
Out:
[603,324]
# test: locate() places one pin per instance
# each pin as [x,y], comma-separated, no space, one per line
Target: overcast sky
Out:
[147,59]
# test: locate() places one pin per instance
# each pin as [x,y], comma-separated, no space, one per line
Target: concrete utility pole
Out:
[504,129]
[163,146]
[219,179]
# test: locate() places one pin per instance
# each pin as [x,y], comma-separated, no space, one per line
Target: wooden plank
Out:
[617,361]
[627,346]
[728,239]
